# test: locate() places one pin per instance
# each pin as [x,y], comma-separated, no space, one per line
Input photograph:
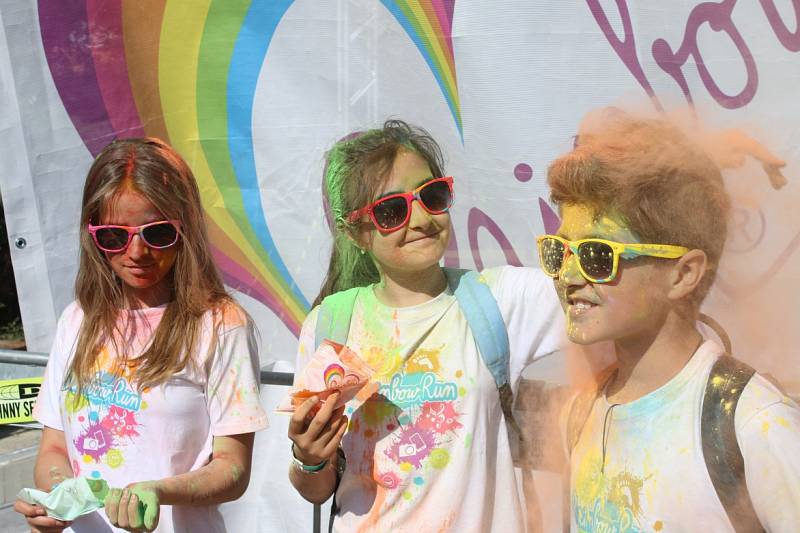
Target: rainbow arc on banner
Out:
[429,23]
[186,71]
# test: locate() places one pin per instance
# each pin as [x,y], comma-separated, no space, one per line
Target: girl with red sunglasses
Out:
[152,383]
[429,451]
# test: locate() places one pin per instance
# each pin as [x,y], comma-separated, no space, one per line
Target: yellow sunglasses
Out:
[598,259]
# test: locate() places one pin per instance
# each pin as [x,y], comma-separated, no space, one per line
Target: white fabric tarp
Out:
[253,93]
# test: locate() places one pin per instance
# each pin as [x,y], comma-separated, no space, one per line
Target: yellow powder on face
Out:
[658,526]
[782,421]
[765,428]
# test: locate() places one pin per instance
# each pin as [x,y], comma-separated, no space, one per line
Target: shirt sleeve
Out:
[769,438]
[306,346]
[532,313]
[48,409]
[234,402]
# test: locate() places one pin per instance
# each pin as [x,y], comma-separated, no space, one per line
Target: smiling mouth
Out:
[423,237]
[579,306]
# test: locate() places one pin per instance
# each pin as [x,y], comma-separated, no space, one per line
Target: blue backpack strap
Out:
[483,315]
[476,301]
[333,319]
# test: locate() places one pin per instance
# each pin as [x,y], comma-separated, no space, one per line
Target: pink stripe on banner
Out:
[444,12]
[108,51]
[236,277]
[64,38]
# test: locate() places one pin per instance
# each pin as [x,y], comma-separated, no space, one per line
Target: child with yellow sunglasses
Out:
[677,435]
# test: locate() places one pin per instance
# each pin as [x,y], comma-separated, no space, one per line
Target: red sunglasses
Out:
[392,212]
[113,238]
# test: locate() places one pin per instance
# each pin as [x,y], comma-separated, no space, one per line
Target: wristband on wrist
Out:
[308,469]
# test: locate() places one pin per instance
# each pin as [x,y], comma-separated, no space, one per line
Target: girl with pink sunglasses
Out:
[152,383]
[430,450]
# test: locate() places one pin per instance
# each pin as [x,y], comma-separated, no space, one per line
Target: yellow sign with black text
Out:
[17,398]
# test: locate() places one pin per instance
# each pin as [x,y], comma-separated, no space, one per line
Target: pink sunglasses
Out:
[158,235]
[392,212]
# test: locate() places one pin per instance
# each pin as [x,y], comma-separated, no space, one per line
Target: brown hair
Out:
[356,168]
[153,169]
[664,187]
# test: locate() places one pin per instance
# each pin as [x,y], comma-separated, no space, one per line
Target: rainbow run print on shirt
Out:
[418,407]
[607,504]
[106,414]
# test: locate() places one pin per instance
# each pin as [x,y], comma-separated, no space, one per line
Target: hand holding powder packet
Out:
[70,499]
[333,368]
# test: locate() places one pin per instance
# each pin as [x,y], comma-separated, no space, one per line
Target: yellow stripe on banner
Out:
[181,34]
[17,398]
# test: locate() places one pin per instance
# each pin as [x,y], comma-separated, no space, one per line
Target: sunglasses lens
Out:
[436,197]
[391,212]
[597,259]
[160,235]
[551,256]
[112,239]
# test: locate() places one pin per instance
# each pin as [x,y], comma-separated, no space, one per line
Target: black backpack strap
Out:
[723,457]
[341,464]
[582,406]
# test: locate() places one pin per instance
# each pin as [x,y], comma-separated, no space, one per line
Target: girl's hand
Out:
[37,518]
[316,439]
[134,508]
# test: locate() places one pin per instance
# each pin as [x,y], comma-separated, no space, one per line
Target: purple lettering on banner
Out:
[550,218]
[625,48]
[746,229]
[718,16]
[478,219]
[451,259]
[790,40]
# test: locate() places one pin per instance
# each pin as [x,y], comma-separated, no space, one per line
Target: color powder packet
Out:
[333,368]
[70,499]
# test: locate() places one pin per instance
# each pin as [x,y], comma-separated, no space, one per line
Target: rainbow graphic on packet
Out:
[334,375]
[334,368]
[186,71]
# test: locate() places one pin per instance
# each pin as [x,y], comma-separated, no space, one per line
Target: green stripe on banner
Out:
[17,398]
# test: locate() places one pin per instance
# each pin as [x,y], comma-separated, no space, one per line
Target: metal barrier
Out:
[15,357]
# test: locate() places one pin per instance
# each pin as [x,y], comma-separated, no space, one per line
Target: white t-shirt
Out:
[123,436]
[655,477]
[431,452]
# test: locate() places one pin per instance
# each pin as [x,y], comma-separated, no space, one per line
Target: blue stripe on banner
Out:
[248,57]
[395,10]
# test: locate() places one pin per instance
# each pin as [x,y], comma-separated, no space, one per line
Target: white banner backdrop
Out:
[253,93]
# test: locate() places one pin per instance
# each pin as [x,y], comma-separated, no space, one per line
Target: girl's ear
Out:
[687,273]
[362,239]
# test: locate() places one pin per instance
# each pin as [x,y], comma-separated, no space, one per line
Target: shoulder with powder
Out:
[760,397]
[515,280]
[229,315]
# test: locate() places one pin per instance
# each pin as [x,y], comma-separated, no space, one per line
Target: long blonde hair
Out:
[153,169]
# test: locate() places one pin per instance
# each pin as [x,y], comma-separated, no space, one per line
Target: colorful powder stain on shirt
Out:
[602,503]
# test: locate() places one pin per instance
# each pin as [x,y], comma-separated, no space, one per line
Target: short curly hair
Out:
[647,171]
